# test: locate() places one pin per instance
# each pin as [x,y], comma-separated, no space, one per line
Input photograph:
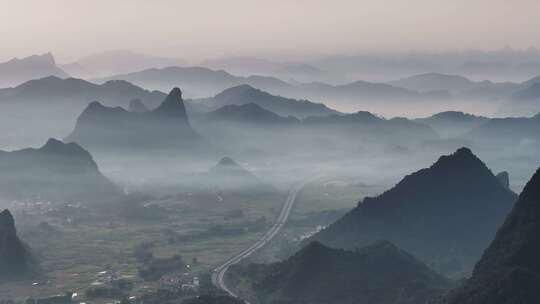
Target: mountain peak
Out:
[175,94]
[227,161]
[244,90]
[504,178]
[7,223]
[53,143]
[463,157]
[173,106]
[56,146]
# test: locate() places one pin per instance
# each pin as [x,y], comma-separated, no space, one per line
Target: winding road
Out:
[219,272]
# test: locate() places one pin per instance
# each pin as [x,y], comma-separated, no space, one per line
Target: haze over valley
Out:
[285,152]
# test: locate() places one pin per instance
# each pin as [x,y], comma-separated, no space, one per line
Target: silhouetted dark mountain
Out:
[509,270]
[452,123]
[282,106]
[507,131]
[17,71]
[166,127]
[56,171]
[445,214]
[380,273]
[15,256]
[248,113]
[137,106]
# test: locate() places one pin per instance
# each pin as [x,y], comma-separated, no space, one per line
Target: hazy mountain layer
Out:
[17,71]
[56,172]
[246,94]
[165,128]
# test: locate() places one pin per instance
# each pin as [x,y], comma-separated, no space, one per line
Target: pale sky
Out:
[194,30]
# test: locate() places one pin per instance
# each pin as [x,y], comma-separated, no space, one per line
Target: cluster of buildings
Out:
[186,282]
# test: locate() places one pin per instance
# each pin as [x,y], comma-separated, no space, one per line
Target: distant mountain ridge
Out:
[523,131]
[379,273]
[116,62]
[445,214]
[245,94]
[248,113]
[367,127]
[435,82]
[17,71]
[452,124]
[77,91]
[200,82]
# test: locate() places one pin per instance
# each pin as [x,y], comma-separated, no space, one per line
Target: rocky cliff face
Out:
[509,270]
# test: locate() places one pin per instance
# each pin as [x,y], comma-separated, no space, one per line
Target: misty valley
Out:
[381,177]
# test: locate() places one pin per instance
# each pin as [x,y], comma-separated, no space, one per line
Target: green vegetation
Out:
[88,247]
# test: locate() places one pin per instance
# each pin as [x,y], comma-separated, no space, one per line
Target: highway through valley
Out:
[219,272]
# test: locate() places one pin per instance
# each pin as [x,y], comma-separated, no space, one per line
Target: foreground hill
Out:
[509,270]
[56,171]
[380,273]
[445,214]
[166,127]
[15,256]
[17,71]
[245,94]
